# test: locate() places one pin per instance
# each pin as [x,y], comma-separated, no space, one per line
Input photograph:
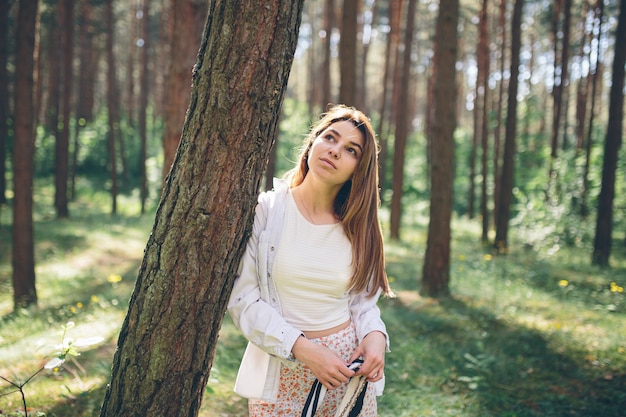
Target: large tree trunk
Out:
[187,21]
[402,126]
[436,271]
[4,96]
[65,30]
[167,342]
[612,145]
[23,255]
[508,160]
[347,53]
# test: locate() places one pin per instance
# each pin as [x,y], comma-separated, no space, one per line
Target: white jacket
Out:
[255,307]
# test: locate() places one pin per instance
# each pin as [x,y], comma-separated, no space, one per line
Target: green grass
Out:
[522,335]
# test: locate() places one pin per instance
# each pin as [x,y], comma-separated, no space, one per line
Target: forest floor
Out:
[521,335]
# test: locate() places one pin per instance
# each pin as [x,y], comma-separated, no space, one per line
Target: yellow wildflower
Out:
[563,283]
[113,278]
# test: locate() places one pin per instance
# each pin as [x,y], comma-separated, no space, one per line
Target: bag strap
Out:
[352,401]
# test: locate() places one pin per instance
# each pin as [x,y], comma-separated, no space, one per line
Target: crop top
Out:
[312,271]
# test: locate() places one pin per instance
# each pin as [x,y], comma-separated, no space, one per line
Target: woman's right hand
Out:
[327,366]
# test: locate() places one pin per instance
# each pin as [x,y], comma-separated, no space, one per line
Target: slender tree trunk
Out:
[167,343]
[436,271]
[497,136]
[4,97]
[508,162]
[402,126]
[348,53]
[82,112]
[23,254]
[65,29]
[187,20]
[144,94]
[582,95]
[595,75]
[483,82]
[390,52]
[612,145]
[329,24]
[112,103]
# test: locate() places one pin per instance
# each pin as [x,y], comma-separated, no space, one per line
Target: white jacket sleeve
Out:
[249,304]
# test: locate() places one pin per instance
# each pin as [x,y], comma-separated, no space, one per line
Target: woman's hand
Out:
[372,349]
[327,366]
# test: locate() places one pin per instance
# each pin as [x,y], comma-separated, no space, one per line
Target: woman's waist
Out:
[315,334]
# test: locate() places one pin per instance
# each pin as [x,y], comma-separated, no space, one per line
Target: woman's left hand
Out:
[372,349]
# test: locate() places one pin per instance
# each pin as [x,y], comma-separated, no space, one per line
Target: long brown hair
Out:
[356,204]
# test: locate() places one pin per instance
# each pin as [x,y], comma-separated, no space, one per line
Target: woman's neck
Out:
[315,202]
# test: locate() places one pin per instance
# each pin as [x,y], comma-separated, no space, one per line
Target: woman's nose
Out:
[333,153]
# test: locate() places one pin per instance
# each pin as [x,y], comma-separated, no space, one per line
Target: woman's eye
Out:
[329,137]
[353,151]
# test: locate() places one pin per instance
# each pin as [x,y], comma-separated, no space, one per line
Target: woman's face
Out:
[336,152]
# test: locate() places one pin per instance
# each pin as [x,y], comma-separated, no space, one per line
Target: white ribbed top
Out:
[311,271]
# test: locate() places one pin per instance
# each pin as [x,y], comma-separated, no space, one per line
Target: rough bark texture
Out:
[612,145]
[187,22]
[23,256]
[167,343]
[508,159]
[436,271]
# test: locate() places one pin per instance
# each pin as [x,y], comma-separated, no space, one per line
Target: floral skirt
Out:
[295,384]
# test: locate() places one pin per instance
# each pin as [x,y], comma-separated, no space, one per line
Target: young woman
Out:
[306,292]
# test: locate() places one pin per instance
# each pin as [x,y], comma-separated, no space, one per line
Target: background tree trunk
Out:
[403,120]
[167,342]
[144,92]
[508,161]
[112,103]
[4,96]
[65,29]
[187,21]
[348,53]
[436,270]
[329,25]
[483,103]
[598,12]
[612,145]
[24,292]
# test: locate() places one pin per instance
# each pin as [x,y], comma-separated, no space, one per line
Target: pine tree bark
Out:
[23,254]
[436,270]
[508,160]
[167,342]
[612,145]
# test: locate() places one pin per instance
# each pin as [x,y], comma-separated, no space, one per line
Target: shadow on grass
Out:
[477,363]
